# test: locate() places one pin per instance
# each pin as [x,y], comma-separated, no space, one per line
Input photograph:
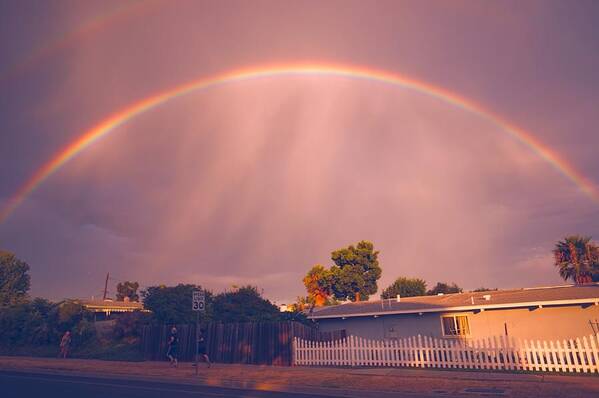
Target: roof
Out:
[471,301]
[115,306]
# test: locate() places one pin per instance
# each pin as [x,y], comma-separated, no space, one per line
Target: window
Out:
[455,325]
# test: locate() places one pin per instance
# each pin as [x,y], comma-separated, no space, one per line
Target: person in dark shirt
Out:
[173,345]
[202,349]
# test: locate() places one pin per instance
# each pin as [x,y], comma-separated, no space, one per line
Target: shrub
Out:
[130,324]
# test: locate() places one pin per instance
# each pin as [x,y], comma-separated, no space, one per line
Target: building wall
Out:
[548,323]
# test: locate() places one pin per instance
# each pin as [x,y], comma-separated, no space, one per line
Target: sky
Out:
[254,181]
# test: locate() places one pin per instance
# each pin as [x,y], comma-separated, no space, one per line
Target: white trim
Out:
[462,308]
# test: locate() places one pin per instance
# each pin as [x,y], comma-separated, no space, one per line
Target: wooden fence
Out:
[497,353]
[266,343]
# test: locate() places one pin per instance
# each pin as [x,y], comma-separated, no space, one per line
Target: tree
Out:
[40,322]
[127,289]
[318,282]
[130,324]
[14,279]
[172,305]
[445,288]
[577,259]
[356,271]
[405,287]
[484,289]
[245,304]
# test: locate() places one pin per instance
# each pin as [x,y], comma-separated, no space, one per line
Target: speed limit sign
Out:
[198,302]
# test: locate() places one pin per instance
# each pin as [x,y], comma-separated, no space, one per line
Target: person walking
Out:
[173,345]
[65,344]
[202,349]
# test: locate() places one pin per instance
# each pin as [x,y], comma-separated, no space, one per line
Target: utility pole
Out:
[106,286]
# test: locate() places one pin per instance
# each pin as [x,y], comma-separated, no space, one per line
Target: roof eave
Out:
[465,308]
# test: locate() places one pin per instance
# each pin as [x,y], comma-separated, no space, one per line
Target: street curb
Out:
[213,382]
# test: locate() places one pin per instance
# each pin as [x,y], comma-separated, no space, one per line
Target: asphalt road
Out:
[25,385]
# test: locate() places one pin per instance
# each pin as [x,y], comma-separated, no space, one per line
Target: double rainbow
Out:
[68,39]
[121,117]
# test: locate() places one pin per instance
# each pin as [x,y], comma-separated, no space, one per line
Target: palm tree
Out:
[577,259]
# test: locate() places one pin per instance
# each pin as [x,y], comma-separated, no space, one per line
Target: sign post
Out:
[198,304]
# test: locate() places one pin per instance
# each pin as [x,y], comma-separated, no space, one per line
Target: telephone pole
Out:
[106,286]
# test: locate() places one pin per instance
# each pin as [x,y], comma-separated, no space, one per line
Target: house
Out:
[107,307]
[547,313]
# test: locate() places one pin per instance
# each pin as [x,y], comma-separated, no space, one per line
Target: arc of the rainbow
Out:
[121,117]
[89,27]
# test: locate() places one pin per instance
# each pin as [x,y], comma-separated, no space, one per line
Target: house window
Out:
[455,325]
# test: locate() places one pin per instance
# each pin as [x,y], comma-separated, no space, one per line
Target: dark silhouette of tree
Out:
[246,304]
[172,304]
[405,287]
[14,279]
[577,259]
[127,289]
[445,288]
[484,289]
[356,271]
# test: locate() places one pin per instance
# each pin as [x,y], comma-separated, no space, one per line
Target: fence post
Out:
[594,351]
[551,362]
[402,352]
[567,351]
[587,356]
[574,351]
[350,347]
[293,351]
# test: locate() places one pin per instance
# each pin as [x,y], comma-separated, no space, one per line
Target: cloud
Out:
[257,181]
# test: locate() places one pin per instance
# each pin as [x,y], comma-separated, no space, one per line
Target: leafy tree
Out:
[127,289]
[356,271]
[40,322]
[15,324]
[405,287]
[318,282]
[43,321]
[445,288]
[14,279]
[130,324]
[306,303]
[484,289]
[296,316]
[172,304]
[301,303]
[244,305]
[577,259]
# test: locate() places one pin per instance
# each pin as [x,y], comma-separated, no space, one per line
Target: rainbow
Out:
[68,39]
[119,118]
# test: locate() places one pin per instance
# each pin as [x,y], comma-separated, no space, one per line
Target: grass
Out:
[94,349]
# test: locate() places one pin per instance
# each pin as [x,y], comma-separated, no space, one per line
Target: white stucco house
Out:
[557,312]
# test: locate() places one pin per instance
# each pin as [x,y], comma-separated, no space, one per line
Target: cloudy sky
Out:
[257,180]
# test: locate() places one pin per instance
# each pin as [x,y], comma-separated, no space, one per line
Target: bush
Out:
[35,329]
[41,322]
[130,324]
[83,332]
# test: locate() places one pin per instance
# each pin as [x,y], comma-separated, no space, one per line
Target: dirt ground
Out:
[420,381]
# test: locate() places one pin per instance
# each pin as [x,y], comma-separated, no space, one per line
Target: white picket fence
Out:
[497,353]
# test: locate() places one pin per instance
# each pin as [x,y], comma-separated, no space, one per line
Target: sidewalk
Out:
[337,381]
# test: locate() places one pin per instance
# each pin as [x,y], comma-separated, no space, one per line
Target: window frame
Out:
[454,317]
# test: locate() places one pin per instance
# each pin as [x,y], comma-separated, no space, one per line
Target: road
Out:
[21,385]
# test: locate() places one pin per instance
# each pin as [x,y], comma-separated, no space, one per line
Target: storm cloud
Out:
[256,181]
